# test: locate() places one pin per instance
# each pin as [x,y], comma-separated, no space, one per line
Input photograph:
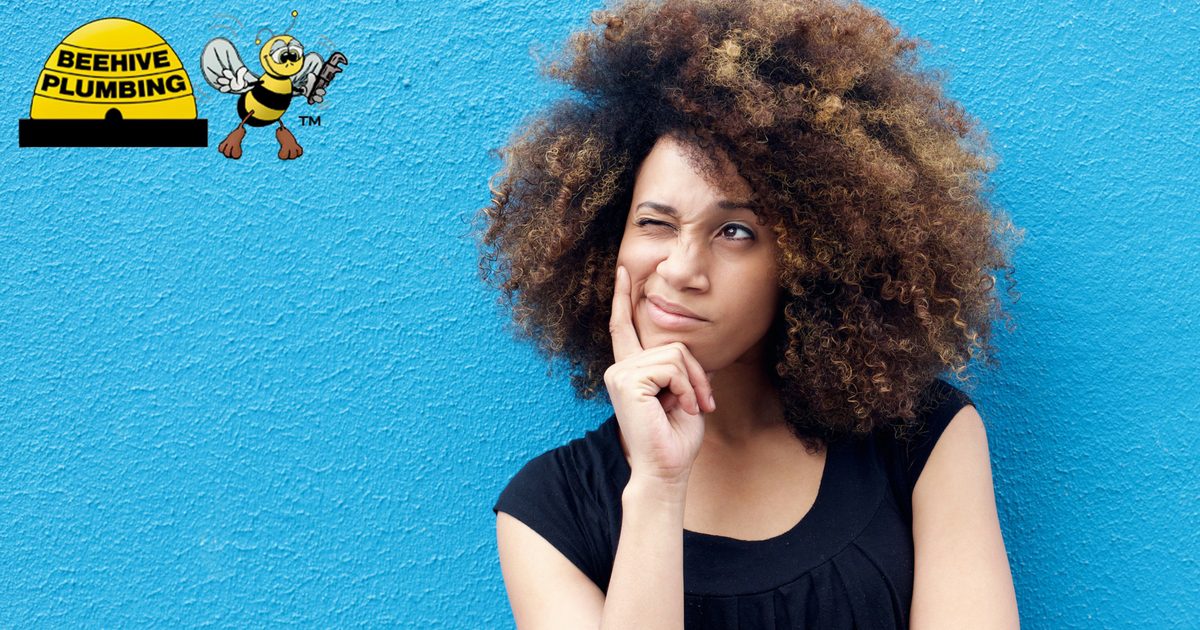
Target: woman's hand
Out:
[659,396]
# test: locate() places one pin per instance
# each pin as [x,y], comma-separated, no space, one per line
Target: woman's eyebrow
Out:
[724,204]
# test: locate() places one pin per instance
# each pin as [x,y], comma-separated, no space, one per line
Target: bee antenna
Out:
[287,30]
[258,40]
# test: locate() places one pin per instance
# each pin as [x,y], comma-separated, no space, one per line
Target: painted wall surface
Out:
[259,393]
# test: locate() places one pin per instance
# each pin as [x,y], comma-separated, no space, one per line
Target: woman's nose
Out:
[684,265]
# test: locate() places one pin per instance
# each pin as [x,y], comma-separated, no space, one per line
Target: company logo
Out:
[113,83]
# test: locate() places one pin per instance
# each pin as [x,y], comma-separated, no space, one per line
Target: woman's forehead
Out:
[671,163]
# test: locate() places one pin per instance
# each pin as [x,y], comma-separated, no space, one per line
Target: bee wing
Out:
[312,65]
[221,65]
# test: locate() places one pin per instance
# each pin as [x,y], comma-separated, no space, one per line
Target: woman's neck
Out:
[748,406]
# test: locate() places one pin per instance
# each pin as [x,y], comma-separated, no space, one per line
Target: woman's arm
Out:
[962,578]
[645,589]
[545,589]
[646,586]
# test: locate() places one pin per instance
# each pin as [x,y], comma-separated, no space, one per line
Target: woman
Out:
[761,232]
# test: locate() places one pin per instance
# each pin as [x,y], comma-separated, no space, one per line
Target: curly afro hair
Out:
[873,182]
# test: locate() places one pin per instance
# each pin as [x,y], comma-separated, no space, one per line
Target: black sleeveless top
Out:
[847,564]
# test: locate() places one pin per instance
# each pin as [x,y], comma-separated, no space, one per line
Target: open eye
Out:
[297,50]
[738,226]
[277,55]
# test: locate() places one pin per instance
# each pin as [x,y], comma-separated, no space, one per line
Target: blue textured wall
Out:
[252,393]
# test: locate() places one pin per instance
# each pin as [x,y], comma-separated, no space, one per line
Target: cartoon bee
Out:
[287,72]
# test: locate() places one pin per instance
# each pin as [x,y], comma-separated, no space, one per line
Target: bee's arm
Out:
[223,68]
[304,80]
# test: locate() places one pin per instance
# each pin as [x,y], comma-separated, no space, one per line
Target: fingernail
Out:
[712,402]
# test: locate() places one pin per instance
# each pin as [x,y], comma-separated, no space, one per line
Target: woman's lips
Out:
[670,321]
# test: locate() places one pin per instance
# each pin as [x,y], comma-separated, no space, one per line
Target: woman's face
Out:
[691,244]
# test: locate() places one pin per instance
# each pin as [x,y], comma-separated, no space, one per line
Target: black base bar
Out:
[191,132]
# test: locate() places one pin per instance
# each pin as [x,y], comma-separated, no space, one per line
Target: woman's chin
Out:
[657,338]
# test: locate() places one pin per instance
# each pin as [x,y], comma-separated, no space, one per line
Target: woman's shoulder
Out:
[565,494]
[907,445]
[582,465]
[591,449]
[939,403]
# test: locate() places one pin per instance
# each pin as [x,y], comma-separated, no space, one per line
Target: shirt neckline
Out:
[846,499]
[818,504]
[825,491]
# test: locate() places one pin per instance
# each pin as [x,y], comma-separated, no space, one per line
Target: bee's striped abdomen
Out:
[269,99]
[268,105]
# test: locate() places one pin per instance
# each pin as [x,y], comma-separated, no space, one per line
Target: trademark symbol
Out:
[310,121]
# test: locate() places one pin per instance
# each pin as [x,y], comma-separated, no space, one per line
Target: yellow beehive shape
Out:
[109,64]
[113,82]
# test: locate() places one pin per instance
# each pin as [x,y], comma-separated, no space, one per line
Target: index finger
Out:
[620,325]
